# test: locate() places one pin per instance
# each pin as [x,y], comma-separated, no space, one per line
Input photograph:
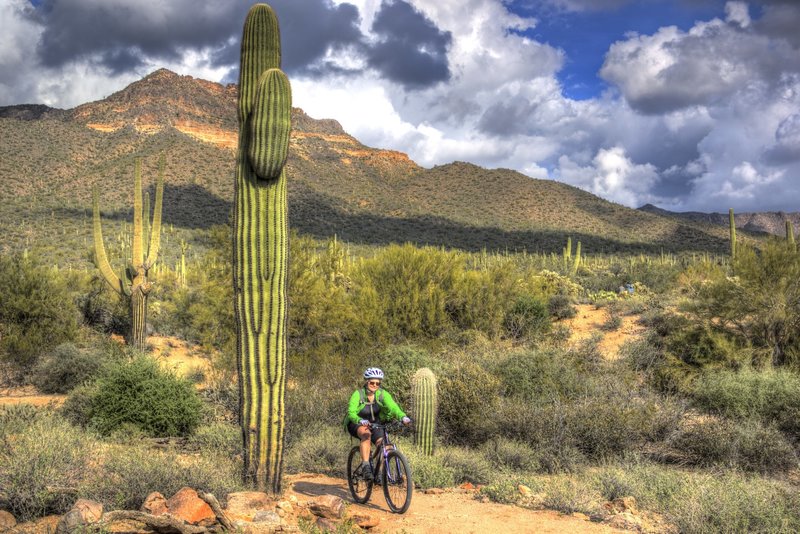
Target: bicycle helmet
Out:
[373,372]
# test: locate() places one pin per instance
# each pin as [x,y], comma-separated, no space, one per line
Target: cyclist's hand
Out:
[406,421]
[363,422]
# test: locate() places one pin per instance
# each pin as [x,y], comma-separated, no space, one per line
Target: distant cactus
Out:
[425,405]
[790,233]
[261,247]
[137,286]
[732,223]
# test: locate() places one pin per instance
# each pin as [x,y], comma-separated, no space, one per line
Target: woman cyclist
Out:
[368,405]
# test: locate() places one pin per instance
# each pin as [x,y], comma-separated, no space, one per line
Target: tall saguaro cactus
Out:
[261,247]
[137,287]
[790,233]
[425,405]
[732,224]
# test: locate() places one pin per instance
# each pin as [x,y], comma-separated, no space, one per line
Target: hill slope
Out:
[50,159]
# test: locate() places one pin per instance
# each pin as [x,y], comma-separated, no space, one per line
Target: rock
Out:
[83,512]
[154,504]
[267,516]
[7,520]
[625,521]
[286,506]
[327,506]
[293,499]
[469,486]
[622,504]
[189,507]
[43,524]
[246,504]
[580,516]
[524,490]
[365,521]
[433,491]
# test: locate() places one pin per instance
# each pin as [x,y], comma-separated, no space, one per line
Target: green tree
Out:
[761,304]
[36,309]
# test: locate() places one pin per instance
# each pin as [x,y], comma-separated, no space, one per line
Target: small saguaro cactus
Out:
[790,233]
[137,287]
[425,403]
[732,224]
[261,247]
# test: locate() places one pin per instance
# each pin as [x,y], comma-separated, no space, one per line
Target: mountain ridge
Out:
[51,158]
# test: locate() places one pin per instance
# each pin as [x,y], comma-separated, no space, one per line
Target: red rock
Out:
[189,507]
[327,506]
[365,521]
[154,504]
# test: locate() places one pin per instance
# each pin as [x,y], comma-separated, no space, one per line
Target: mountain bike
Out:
[390,468]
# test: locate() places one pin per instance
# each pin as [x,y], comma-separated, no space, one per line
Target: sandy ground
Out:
[445,513]
[589,321]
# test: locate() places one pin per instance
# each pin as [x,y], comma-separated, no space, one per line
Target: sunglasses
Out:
[374,382]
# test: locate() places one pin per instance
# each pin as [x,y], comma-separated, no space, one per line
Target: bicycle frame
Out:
[383,451]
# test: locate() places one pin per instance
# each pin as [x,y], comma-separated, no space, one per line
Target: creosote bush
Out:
[138,392]
[64,368]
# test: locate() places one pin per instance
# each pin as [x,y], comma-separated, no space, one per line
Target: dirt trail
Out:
[451,512]
[590,320]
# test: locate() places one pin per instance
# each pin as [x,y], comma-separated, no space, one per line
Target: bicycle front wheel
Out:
[397,484]
[360,487]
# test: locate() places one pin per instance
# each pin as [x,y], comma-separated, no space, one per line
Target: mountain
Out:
[50,159]
[772,222]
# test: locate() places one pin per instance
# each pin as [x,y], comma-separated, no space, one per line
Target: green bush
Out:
[141,393]
[221,439]
[36,311]
[560,307]
[467,398]
[429,471]
[399,364]
[130,473]
[771,395]
[528,318]
[320,449]
[509,454]
[309,405]
[64,368]
[467,465]
[746,445]
[480,299]
[538,374]
[47,454]
[15,418]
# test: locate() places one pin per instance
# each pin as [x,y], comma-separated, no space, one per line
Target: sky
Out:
[690,105]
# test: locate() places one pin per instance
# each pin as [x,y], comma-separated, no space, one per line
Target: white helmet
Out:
[373,372]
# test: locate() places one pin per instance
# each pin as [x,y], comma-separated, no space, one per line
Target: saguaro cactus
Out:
[732,223]
[425,404]
[790,233]
[261,247]
[137,287]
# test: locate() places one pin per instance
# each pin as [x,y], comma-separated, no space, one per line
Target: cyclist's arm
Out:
[394,410]
[353,407]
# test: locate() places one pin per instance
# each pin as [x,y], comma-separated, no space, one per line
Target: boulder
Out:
[154,504]
[84,512]
[43,524]
[7,520]
[244,505]
[327,506]
[326,524]
[267,516]
[365,521]
[187,506]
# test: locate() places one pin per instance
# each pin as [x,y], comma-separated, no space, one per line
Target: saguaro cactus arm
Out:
[101,260]
[155,228]
[270,125]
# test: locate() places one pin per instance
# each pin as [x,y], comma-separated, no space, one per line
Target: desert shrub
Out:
[569,495]
[408,287]
[399,363]
[37,312]
[538,374]
[429,471]
[49,453]
[467,465]
[481,298]
[15,418]
[528,318]
[746,445]
[222,439]
[104,310]
[509,454]
[467,398]
[320,449]
[130,473]
[505,489]
[771,395]
[309,406]
[141,393]
[64,368]
[702,348]
[560,306]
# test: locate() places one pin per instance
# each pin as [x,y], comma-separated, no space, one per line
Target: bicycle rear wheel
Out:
[360,487]
[397,484]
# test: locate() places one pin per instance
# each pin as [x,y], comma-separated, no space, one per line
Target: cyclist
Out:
[368,405]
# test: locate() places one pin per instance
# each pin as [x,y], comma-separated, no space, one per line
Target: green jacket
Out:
[388,407]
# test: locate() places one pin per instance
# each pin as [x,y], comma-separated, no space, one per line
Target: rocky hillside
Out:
[772,222]
[50,160]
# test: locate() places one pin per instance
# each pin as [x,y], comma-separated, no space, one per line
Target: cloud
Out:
[787,142]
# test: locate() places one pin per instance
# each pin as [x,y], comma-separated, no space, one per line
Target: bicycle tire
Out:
[360,489]
[397,482]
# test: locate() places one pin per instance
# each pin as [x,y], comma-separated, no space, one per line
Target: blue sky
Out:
[685,104]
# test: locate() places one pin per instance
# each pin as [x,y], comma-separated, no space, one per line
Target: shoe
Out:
[366,471]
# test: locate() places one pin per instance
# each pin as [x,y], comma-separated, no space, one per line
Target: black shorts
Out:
[377,433]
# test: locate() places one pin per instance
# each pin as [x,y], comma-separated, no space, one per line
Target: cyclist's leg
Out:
[365,436]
